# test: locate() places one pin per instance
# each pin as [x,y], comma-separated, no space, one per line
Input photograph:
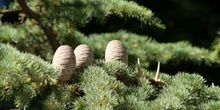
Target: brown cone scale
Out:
[115,51]
[84,56]
[64,59]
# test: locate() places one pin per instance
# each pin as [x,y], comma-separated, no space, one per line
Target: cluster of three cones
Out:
[67,60]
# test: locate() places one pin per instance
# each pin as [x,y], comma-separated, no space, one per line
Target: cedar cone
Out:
[84,56]
[115,50]
[64,59]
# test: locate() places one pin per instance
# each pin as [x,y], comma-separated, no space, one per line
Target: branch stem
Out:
[51,36]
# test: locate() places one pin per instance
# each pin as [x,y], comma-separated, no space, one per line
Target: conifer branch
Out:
[150,50]
[51,35]
[102,85]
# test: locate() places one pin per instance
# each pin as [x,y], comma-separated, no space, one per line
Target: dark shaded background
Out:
[194,20]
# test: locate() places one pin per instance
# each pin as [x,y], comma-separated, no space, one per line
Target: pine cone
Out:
[84,56]
[115,50]
[64,59]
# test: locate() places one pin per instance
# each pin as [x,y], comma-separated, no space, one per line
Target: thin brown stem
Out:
[51,35]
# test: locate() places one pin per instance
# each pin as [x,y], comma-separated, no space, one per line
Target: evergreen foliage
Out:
[216,46]
[103,85]
[99,9]
[149,50]
[29,81]
[23,74]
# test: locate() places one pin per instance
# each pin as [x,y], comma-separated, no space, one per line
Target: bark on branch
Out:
[51,36]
